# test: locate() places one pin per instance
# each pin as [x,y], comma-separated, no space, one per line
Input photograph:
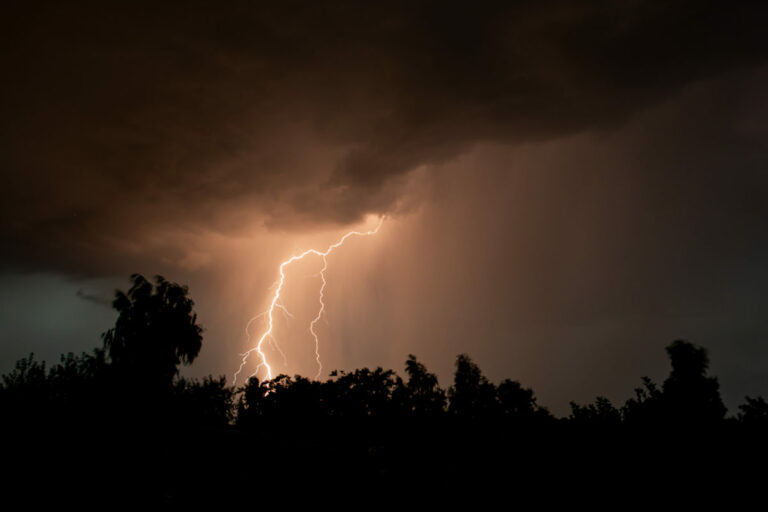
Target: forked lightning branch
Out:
[275,304]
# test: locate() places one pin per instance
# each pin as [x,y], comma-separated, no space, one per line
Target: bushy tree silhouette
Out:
[155,332]
[286,400]
[64,393]
[602,413]
[25,394]
[518,404]
[421,395]
[361,424]
[206,403]
[363,393]
[646,406]
[754,412]
[472,396]
[689,395]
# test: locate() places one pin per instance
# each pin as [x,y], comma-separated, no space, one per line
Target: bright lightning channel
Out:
[275,304]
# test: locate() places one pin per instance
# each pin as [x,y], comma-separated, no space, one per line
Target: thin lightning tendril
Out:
[275,304]
[318,317]
[273,342]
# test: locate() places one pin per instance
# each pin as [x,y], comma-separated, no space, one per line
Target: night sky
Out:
[568,186]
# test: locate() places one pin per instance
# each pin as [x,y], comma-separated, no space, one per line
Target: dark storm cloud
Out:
[118,118]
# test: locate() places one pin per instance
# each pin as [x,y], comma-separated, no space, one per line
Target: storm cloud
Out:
[122,121]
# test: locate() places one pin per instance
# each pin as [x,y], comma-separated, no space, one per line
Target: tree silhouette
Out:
[285,400]
[208,403]
[472,396]
[646,407]
[602,413]
[689,395]
[361,424]
[421,395]
[363,393]
[754,412]
[519,404]
[155,332]
[65,392]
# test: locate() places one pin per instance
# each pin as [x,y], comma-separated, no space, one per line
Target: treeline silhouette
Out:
[122,422]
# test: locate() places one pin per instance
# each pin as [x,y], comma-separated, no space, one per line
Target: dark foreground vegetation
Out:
[120,426]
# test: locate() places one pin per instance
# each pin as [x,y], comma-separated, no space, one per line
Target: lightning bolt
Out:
[275,304]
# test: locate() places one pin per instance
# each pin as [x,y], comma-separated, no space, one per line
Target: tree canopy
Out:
[155,332]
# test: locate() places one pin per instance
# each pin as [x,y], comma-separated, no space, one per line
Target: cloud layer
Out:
[120,122]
